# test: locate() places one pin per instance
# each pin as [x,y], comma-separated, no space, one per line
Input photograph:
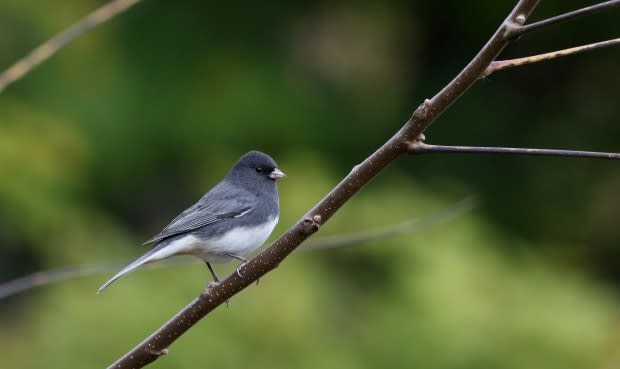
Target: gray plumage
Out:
[230,221]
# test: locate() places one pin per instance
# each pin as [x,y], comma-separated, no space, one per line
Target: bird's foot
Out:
[211,285]
[241,275]
[239,269]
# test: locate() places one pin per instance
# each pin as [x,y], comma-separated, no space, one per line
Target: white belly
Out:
[241,242]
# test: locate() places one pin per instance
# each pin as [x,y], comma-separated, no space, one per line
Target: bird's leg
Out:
[240,258]
[215,282]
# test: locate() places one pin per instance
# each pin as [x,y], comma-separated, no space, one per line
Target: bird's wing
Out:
[208,210]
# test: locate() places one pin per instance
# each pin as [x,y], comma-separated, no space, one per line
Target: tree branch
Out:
[423,148]
[498,65]
[51,46]
[157,343]
[518,31]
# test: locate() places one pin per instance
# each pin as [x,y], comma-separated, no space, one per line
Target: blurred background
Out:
[110,139]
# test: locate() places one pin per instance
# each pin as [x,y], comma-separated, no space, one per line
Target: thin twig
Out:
[422,148]
[51,46]
[498,65]
[50,276]
[45,277]
[518,31]
[158,342]
[357,238]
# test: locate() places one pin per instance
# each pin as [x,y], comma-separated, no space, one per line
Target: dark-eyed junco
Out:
[230,221]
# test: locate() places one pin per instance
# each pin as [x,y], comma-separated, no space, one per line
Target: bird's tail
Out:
[151,256]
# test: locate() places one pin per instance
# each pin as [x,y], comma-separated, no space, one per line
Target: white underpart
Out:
[241,242]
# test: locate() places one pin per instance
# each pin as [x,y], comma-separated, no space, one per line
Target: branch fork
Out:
[413,147]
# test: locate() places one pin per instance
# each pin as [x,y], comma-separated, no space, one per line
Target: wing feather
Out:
[207,211]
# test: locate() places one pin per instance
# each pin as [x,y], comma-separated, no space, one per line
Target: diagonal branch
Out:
[498,65]
[51,46]
[423,148]
[157,343]
[519,31]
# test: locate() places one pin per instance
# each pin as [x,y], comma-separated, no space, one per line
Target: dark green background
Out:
[111,138]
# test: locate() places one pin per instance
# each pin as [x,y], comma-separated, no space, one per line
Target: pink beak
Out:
[276,174]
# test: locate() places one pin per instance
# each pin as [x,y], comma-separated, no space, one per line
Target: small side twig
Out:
[518,31]
[51,46]
[423,148]
[357,238]
[498,65]
[45,277]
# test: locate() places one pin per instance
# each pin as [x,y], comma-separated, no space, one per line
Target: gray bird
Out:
[229,222]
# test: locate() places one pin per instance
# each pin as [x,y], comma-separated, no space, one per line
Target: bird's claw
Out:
[239,269]
[241,275]
[211,285]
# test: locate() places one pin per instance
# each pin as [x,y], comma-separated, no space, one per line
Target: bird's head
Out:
[256,167]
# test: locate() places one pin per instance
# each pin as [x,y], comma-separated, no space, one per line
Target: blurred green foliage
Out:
[108,140]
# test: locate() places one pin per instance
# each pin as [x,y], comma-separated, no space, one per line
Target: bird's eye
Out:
[259,169]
